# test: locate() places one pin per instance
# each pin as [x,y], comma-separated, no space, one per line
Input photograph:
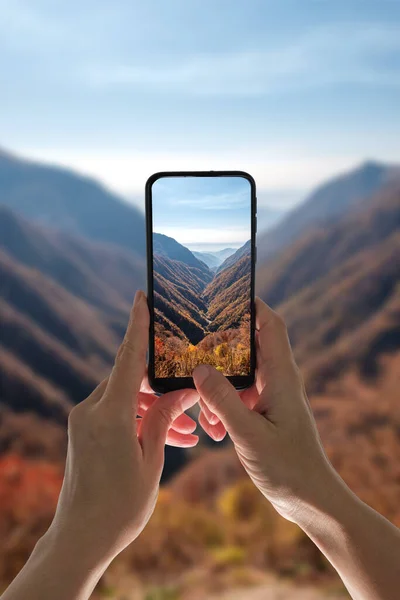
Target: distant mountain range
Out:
[237,255]
[214,259]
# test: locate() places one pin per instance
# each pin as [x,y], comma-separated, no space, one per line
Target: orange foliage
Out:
[28,497]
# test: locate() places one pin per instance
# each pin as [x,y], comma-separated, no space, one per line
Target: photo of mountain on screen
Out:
[201,274]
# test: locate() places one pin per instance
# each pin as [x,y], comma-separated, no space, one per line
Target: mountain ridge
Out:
[327,203]
[65,200]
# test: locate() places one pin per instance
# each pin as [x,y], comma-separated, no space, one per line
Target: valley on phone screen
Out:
[202,276]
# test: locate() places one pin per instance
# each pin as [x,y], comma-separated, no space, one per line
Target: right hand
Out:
[272,425]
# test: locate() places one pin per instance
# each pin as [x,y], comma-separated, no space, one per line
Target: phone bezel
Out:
[166,384]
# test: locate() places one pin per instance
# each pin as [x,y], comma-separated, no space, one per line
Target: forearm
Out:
[57,569]
[362,545]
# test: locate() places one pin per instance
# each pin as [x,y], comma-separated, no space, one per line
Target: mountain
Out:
[193,299]
[177,297]
[267,217]
[338,289]
[223,254]
[327,204]
[170,248]
[98,274]
[237,255]
[69,202]
[228,294]
[209,259]
[64,304]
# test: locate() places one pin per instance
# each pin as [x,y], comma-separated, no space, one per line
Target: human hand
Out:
[272,425]
[114,461]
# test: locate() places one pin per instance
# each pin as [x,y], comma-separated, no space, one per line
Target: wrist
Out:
[330,508]
[74,551]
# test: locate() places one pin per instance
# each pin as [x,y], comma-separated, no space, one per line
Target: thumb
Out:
[222,399]
[158,420]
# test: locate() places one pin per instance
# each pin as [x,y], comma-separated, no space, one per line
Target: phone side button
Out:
[255,254]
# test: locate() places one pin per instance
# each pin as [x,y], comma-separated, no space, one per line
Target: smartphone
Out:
[201,255]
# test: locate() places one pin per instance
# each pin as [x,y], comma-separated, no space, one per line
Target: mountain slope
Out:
[177,296]
[228,295]
[70,202]
[170,248]
[64,304]
[326,204]
[230,260]
[98,274]
[338,290]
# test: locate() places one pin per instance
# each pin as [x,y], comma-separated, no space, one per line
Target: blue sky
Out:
[207,213]
[291,91]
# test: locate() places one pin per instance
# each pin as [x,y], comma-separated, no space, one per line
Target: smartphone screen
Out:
[201,230]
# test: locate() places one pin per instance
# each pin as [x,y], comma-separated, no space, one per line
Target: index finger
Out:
[130,363]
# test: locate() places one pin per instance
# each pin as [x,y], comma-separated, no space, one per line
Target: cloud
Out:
[362,54]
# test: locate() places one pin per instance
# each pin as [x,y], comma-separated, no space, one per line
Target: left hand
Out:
[114,461]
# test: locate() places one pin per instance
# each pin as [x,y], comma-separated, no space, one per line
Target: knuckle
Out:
[164,415]
[127,347]
[218,395]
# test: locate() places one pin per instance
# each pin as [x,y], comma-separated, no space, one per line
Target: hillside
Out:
[338,290]
[231,259]
[327,204]
[70,202]
[98,274]
[168,247]
[228,295]
[64,303]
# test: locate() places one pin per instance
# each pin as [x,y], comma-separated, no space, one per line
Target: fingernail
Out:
[201,373]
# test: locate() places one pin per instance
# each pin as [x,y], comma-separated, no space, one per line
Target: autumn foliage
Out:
[228,351]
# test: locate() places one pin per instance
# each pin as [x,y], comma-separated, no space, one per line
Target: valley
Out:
[201,315]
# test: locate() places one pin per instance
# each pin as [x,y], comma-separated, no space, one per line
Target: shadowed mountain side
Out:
[188,280]
[104,276]
[169,248]
[182,319]
[63,316]
[228,295]
[45,354]
[23,390]
[316,254]
[163,327]
[327,204]
[70,202]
